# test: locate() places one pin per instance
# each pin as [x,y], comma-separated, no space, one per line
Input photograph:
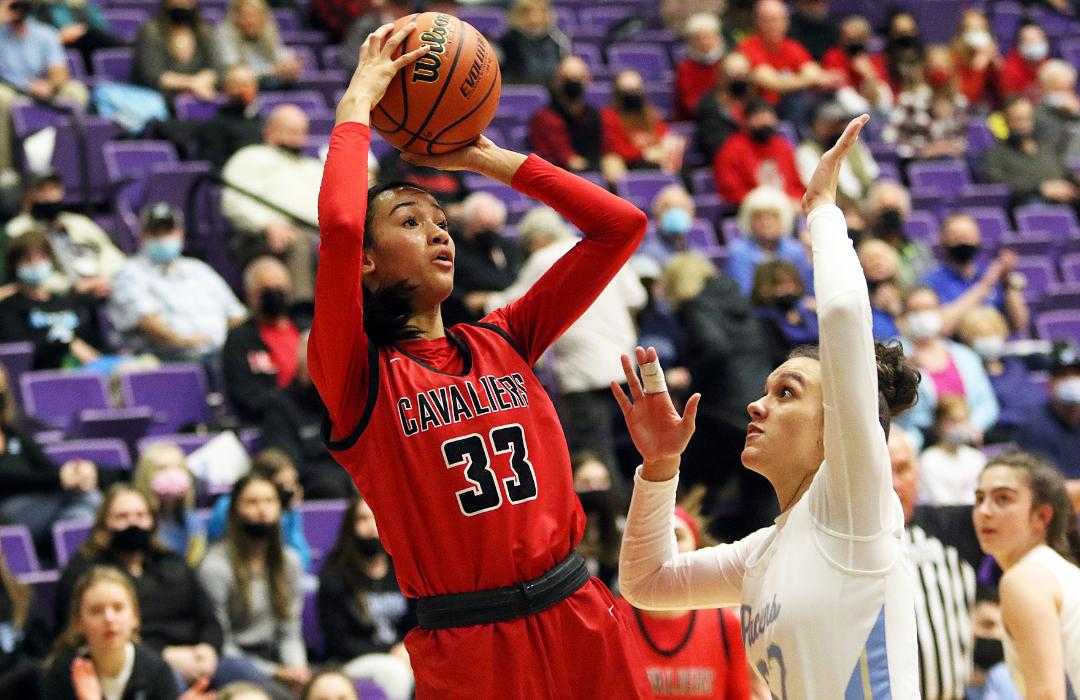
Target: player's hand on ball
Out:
[377,66]
[473,158]
[822,187]
[659,432]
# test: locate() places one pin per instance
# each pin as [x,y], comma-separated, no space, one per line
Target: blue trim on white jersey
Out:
[871,671]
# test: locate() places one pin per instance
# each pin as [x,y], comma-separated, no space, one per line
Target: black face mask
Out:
[1016,139]
[739,88]
[962,254]
[273,303]
[597,502]
[855,48]
[369,546]
[904,42]
[988,652]
[259,531]
[573,90]
[19,10]
[286,496]
[46,211]
[874,285]
[856,235]
[181,15]
[761,134]
[891,221]
[131,539]
[631,101]
[786,302]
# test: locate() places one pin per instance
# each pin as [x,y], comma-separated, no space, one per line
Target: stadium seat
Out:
[1070,269]
[1069,48]
[650,60]
[702,182]
[712,207]
[993,224]
[191,108]
[176,392]
[125,424]
[566,19]
[68,536]
[287,19]
[1005,19]
[599,94]
[985,194]
[518,102]
[18,548]
[1053,23]
[106,453]
[489,21]
[599,19]
[702,238]
[1056,221]
[127,165]
[311,101]
[76,64]
[310,627]
[187,442]
[1040,273]
[922,226]
[331,57]
[1059,325]
[304,37]
[113,64]
[322,520]
[942,177]
[124,23]
[56,397]
[640,186]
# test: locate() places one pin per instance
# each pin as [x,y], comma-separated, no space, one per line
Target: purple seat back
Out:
[489,21]
[124,24]
[641,186]
[922,226]
[321,522]
[18,549]
[514,200]
[287,19]
[1005,20]
[1040,273]
[68,536]
[1059,325]
[311,101]
[599,19]
[331,57]
[702,237]
[127,164]
[309,625]
[191,108]
[113,64]
[125,424]
[188,442]
[56,397]
[702,182]
[176,392]
[945,177]
[1056,221]
[367,689]
[1070,268]
[519,102]
[106,453]
[650,60]
[1069,49]
[76,64]
[307,37]
[16,358]
[599,95]
[592,55]
[993,224]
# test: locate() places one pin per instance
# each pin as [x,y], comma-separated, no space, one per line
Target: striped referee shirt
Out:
[944,598]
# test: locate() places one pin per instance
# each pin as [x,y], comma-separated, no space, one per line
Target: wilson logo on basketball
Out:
[426,69]
[476,70]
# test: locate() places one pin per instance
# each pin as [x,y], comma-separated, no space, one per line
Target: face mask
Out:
[258,531]
[1035,52]
[989,347]
[46,211]
[787,302]
[131,539]
[163,250]
[891,221]
[978,38]
[1016,139]
[181,15]
[988,652]
[273,302]
[170,484]
[369,546]
[19,10]
[761,134]
[573,90]
[904,42]
[739,88]
[596,502]
[1068,390]
[923,325]
[631,101]
[855,48]
[34,274]
[287,496]
[963,253]
[675,222]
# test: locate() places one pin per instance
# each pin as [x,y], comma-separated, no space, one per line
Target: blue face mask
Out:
[34,274]
[675,222]
[163,250]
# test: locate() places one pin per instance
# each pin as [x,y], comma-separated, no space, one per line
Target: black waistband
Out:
[500,604]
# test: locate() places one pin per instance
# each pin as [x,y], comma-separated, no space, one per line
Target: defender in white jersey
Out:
[827,602]
[1024,519]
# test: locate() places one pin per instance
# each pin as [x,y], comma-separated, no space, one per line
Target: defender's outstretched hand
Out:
[822,187]
[659,432]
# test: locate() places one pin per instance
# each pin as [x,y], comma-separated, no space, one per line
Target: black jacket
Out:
[247,385]
[24,468]
[348,633]
[151,678]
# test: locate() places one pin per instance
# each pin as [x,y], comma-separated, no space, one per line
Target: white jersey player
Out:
[827,601]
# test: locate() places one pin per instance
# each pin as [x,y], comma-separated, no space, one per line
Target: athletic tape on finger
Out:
[652,378]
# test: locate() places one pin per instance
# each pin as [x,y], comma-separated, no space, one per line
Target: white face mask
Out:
[978,38]
[1068,390]
[989,347]
[1035,51]
[923,325]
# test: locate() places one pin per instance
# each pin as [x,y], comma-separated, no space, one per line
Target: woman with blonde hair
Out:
[249,36]
[766,219]
[162,474]
[533,46]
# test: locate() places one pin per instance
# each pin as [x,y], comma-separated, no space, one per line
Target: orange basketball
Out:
[443,101]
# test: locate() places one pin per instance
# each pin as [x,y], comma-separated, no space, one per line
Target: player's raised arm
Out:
[337,349]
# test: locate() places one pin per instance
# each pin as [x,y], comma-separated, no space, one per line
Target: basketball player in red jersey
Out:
[447,432]
[691,653]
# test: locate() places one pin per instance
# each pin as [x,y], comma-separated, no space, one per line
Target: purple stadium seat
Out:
[702,237]
[884,152]
[1064,296]
[367,689]
[922,226]
[650,60]
[979,137]
[489,21]
[993,224]
[124,23]
[188,442]
[331,57]
[592,55]
[889,171]
[519,102]
[76,64]
[702,182]
[176,392]
[18,549]
[126,424]
[598,19]
[1040,273]
[1059,325]
[127,164]
[1070,269]
[937,19]
[106,453]
[640,186]
[1053,23]
[566,19]
[56,397]
[68,536]
[311,101]
[327,82]
[662,96]
[1056,221]
[306,55]
[1004,21]
[712,207]
[985,194]
[306,37]
[944,177]
[191,108]
[322,520]
[309,625]
[514,200]
[113,64]
[599,94]
[1069,49]
[172,182]
[16,359]
[287,19]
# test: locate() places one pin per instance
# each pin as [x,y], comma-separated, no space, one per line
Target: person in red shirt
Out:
[863,71]
[782,67]
[1020,71]
[977,59]
[756,155]
[698,72]
[567,132]
[448,433]
[691,653]
[635,135]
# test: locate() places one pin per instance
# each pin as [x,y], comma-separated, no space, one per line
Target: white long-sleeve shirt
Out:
[827,600]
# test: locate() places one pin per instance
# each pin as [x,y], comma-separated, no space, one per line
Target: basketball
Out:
[447,98]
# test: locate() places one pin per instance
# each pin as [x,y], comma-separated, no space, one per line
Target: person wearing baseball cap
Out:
[1053,430]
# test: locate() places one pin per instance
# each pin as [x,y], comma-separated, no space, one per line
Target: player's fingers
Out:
[650,354]
[851,134]
[620,398]
[631,378]
[395,40]
[375,40]
[689,417]
[411,57]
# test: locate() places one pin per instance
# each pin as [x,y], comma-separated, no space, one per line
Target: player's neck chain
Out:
[654,646]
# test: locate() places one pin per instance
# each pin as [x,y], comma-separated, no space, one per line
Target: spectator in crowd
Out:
[259,355]
[1057,117]
[32,61]
[485,260]
[242,691]
[249,36]
[568,131]
[275,466]
[903,45]
[721,111]
[26,639]
[280,174]
[929,119]
[780,301]
[330,684]
[756,155]
[690,652]
[1020,69]
[947,367]
[177,620]
[635,134]
[62,327]
[100,654]
[174,306]
[162,474]
[962,283]
[887,207]
[603,500]
[951,466]
[944,580]
[86,256]
[675,13]
[363,615]
[726,346]
[990,679]
[175,52]
[81,24]
[236,124]
[1053,430]
[984,330]
[657,325]
[977,59]
[859,169]
[881,265]
[865,73]
[696,74]
[585,359]
[253,581]
[672,219]
[766,217]
[783,70]
[1032,169]
[812,27]
[292,424]
[375,14]
[533,47]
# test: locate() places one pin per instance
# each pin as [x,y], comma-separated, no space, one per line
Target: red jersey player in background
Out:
[447,432]
[691,653]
